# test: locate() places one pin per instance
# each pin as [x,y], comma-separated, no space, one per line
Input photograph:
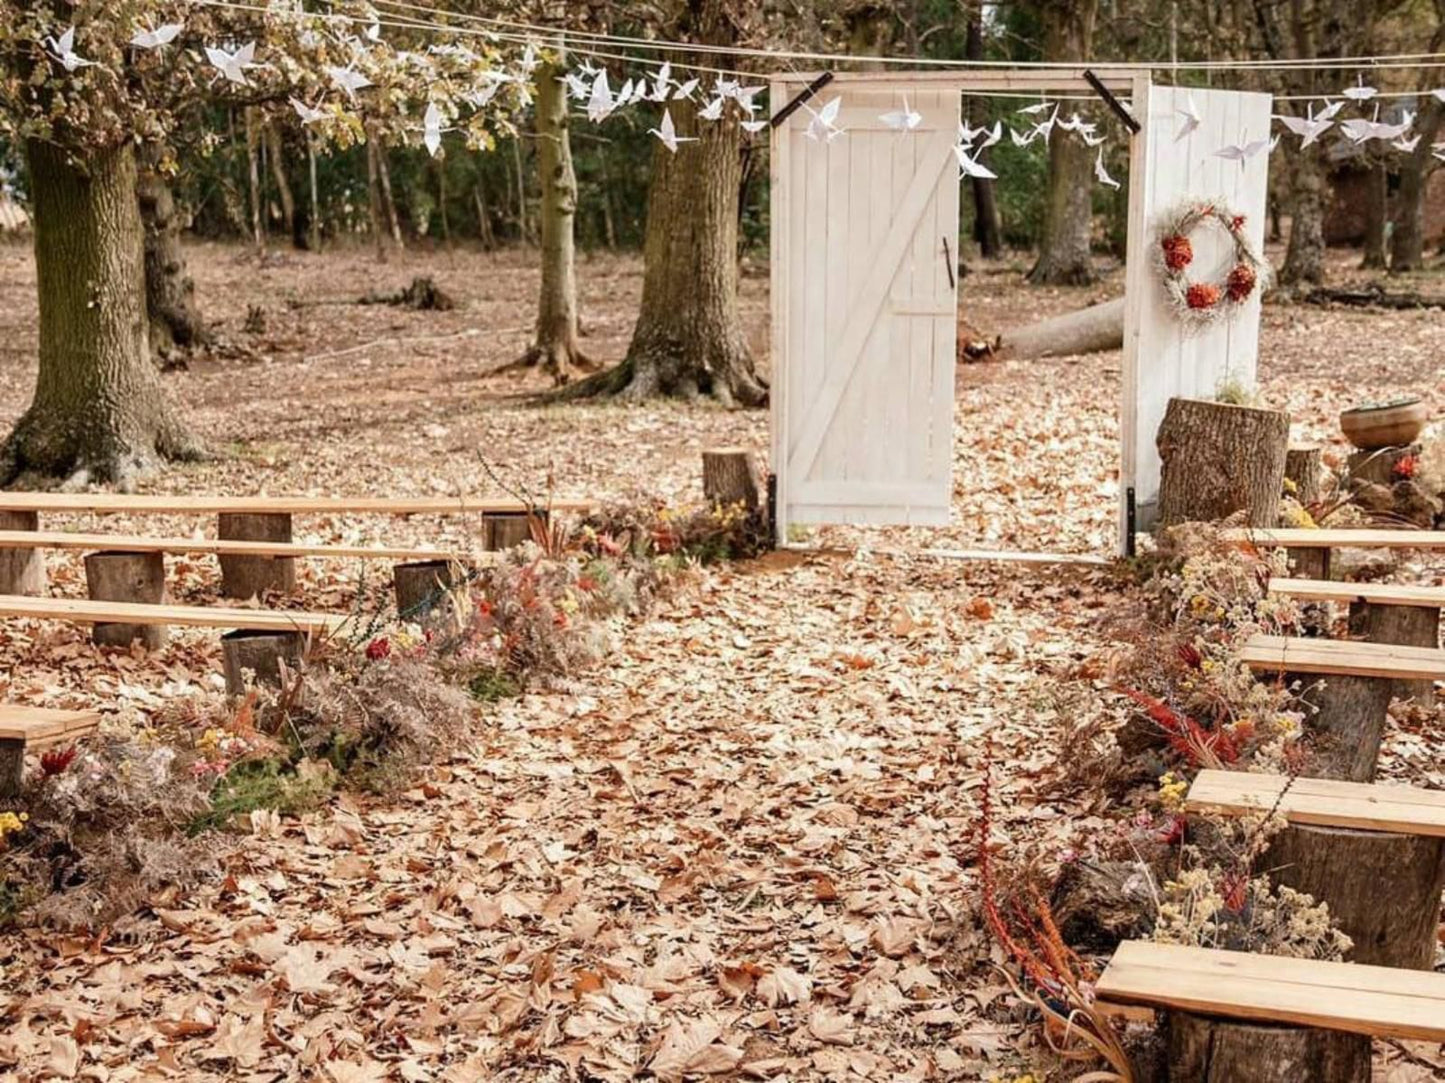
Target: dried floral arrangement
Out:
[1200,304]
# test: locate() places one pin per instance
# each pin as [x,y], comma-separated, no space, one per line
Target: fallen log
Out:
[1372,296]
[1096,328]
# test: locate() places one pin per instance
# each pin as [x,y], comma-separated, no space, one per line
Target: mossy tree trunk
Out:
[1064,250]
[1377,213]
[1407,241]
[556,348]
[1304,260]
[99,411]
[176,324]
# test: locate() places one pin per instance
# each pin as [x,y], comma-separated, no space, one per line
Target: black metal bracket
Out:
[948,262]
[781,116]
[1131,522]
[1112,102]
[772,509]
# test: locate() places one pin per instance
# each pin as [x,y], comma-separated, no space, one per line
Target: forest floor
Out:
[741,844]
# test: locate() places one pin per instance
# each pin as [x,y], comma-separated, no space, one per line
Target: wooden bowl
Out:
[1393,424]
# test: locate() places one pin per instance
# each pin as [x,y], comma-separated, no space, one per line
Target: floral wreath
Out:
[1202,304]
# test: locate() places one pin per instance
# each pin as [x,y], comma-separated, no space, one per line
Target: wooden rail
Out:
[1322,802]
[1286,654]
[127,543]
[1327,590]
[119,503]
[87,611]
[1304,538]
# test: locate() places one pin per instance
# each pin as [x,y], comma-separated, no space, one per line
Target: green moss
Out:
[492,684]
[262,784]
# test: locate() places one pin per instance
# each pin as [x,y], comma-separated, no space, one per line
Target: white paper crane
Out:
[309,114]
[1330,111]
[431,133]
[1437,150]
[745,97]
[967,135]
[971,166]
[349,80]
[1360,130]
[1242,152]
[529,60]
[1035,109]
[824,122]
[994,135]
[157,38]
[1308,127]
[1090,139]
[753,127]
[1439,94]
[233,65]
[62,49]
[1024,139]
[600,102]
[1407,145]
[1102,174]
[668,133]
[577,88]
[373,33]
[1189,118]
[685,90]
[1359,92]
[713,109]
[624,92]
[902,120]
[662,83]
[1045,128]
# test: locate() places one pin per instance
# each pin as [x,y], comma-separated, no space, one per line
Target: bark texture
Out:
[1305,467]
[1218,459]
[1304,260]
[1064,249]
[1407,242]
[176,323]
[1347,724]
[127,577]
[507,530]
[1346,869]
[1204,1049]
[1377,213]
[99,411]
[421,588]
[556,348]
[1408,625]
[728,478]
[1098,327]
[246,576]
[261,654]
[22,571]
[12,767]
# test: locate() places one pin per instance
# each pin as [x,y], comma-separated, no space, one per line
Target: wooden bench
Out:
[263,519]
[1204,989]
[1290,654]
[88,611]
[1332,590]
[1324,538]
[23,728]
[1343,841]
[131,543]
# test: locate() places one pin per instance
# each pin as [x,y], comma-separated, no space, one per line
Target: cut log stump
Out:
[1218,459]
[421,588]
[1204,1049]
[12,767]
[728,479]
[1304,466]
[1347,724]
[507,530]
[247,576]
[1408,625]
[1378,466]
[127,577]
[260,654]
[1383,888]
[22,571]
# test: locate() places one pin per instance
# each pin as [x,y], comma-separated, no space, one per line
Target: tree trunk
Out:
[987,227]
[276,151]
[556,348]
[484,218]
[524,225]
[253,172]
[127,577]
[1304,466]
[1345,868]
[1304,261]
[383,168]
[1377,213]
[1098,327]
[313,227]
[373,200]
[1064,252]
[99,411]
[439,166]
[176,324]
[1407,242]
[1347,723]
[688,340]
[1406,625]
[1218,459]
[1204,1049]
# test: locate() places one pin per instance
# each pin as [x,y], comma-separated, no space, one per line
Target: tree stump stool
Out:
[1406,625]
[127,577]
[1206,1049]
[1304,466]
[1348,723]
[508,529]
[22,571]
[248,576]
[729,479]
[259,653]
[1218,459]
[422,589]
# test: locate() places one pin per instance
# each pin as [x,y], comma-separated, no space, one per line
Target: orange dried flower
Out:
[1202,295]
[1241,282]
[1178,252]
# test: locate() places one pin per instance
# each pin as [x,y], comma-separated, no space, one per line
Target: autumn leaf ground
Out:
[740,845]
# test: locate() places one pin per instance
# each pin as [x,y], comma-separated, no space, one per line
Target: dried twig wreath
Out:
[1202,304]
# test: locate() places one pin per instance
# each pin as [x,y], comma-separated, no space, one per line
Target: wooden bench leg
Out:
[1383,889]
[244,577]
[1205,1049]
[12,766]
[1312,563]
[260,653]
[420,587]
[127,577]
[1348,723]
[22,571]
[1406,625]
[507,529]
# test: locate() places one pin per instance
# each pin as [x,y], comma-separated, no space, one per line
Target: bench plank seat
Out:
[120,503]
[1379,1001]
[43,725]
[1325,590]
[1325,538]
[55,539]
[1322,802]
[86,611]
[1343,657]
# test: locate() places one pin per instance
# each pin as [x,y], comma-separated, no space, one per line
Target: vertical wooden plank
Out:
[1137,255]
[945,331]
[840,244]
[780,224]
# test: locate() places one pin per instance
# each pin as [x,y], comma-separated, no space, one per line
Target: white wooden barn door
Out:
[1161,359]
[865,302]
